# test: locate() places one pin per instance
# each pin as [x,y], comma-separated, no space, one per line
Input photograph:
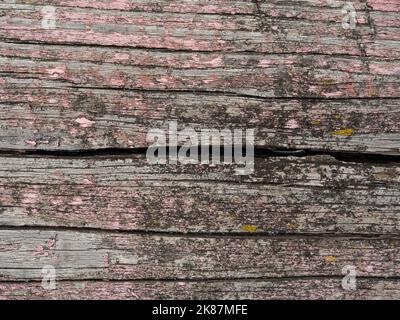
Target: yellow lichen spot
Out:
[393,243]
[328,81]
[330,259]
[383,176]
[249,228]
[292,226]
[344,132]
[316,122]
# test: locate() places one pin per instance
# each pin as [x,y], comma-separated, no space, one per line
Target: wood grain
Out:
[85,255]
[76,190]
[274,27]
[282,196]
[264,75]
[302,289]
[48,117]
[130,66]
[177,31]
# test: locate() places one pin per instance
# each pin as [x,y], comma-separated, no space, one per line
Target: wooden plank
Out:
[75,98]
[177,6]
[176,31]
[304,289]
[284,195]
[44,116]
[263,75]
[215,6]
[205,7]
[87,78]
[115,256]
[273,27]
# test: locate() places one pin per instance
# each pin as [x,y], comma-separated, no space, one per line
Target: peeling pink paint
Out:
[333,94]
[216,62]
[57,71]
[211,79]
[122,56]
[76,201]
[45,250]
[56,202]
[117,82]
[40,251]
[53,101]
[31,142]
[5,197]
[369,269]
[73,131]
[385,70]
[30,198]
[292,124]
[87,181]
[84,122]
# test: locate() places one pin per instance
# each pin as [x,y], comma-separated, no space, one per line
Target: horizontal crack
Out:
[343,156]
[209,235]
[238,52]
[259,153]
[207,280]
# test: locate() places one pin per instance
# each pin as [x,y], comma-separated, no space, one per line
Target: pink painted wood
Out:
[80,92]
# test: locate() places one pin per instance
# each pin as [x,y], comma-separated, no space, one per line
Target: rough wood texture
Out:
[108,256]
[48,116]
[76,103]
[263,27]
[245,289]
[272,52]
[283,196]
[315,76]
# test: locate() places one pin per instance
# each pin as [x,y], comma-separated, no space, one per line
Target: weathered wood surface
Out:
[127,194]
[108,256]
[245,289]
[114,226]
[264,27]
[282,196]
[264,75]
[63,118]
[46,89]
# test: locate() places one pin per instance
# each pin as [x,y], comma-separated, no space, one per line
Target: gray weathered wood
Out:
[251,49]
[42,116]
[262,75]
[114,226]
[113,256]
[305,289]
[176,31]
[283,195]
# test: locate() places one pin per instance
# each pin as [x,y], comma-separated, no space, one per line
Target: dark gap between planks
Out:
[259,152]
